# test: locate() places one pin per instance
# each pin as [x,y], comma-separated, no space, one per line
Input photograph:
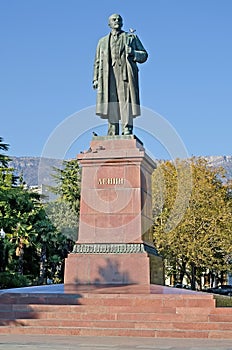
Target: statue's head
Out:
[115,21]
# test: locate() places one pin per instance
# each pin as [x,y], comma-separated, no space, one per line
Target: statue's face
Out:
[115,22]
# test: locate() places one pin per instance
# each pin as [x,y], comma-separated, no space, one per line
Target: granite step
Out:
[106,299]
[87,331]
[116,324]
[115,314]
[33,310]
[95,315]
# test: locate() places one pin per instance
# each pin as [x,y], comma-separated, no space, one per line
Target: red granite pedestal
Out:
[115,238]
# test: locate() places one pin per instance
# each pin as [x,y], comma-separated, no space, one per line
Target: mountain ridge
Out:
[37,171]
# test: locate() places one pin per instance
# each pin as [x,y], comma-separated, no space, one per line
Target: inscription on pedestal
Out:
[111,181]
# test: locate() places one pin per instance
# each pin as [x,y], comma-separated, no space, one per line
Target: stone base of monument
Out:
[115,244]
[113,264]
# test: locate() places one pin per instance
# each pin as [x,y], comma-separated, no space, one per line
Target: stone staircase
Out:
[90,313]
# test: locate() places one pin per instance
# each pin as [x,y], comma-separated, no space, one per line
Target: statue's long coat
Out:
[130,71]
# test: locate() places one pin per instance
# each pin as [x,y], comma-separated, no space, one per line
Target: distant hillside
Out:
[37,171]
[222,161]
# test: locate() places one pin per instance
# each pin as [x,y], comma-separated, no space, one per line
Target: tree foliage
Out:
[202,240]
[4,159]
[63,217]
[32,245]
[64,210]
[68,181]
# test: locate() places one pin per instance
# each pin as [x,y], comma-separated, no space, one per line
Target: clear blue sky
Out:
[47,53]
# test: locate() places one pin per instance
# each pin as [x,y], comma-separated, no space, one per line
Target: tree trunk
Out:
[193,276]
[20,266]
[43,269]
[182,271]
[2,255]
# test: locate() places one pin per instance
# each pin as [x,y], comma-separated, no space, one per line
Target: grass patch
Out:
[223,301]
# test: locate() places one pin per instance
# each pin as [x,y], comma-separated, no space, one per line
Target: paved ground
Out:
[27,342]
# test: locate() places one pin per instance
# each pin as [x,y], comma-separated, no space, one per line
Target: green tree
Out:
[64,211]
[35,247]
[63,217]
[68,181]
[4,160]
[51,246]
[32,245]
[202,239]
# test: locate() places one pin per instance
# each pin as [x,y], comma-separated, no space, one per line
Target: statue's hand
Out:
[95,84]
[129,51]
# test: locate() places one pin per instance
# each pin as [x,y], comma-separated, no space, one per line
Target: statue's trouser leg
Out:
[113,129]
[127,128]
[113,107]
[125,106]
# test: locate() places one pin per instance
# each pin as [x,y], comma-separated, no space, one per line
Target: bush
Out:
[13,280]
[223,301]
